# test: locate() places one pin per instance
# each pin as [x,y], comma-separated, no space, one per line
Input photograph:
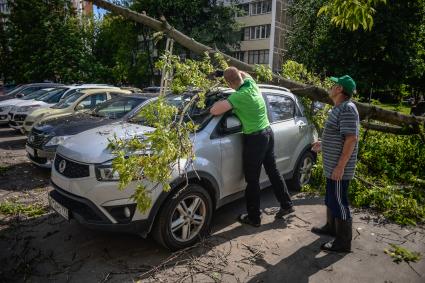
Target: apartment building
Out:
[265,24]
[83,7]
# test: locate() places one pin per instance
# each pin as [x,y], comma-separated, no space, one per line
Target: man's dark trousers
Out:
[258,150]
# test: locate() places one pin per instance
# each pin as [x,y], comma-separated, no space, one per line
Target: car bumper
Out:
[39,157]
[16,120]
[88,214]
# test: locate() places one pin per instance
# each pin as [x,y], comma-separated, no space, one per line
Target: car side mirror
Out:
[19,95]
[232,124]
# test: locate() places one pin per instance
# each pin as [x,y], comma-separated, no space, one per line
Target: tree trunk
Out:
[409,123]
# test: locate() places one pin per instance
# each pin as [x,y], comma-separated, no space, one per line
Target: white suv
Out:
[86,188]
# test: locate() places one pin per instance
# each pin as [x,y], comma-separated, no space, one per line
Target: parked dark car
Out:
[27,89]
[45,137]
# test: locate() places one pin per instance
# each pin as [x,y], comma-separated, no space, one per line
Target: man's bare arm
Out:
[220,107]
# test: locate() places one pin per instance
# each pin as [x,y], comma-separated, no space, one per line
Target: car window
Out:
[35,94]
[52,96]
[281,107]
[98,98]
[85,103]
[64,103]
[30,89]
[115,109]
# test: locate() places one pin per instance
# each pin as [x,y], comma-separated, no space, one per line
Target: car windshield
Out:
[15,90]
[200,116]
[118,108]
[52,96]
[36,94]
[68,101]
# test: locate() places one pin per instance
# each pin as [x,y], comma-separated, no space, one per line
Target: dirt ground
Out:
[49,249]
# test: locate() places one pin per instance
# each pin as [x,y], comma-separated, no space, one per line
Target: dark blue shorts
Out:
[337,198]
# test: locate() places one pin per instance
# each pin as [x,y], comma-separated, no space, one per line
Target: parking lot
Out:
[48,248]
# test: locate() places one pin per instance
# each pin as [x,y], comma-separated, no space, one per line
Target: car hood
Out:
[91,146]
[71,124]
[41,112]
[9,102]
[32,102]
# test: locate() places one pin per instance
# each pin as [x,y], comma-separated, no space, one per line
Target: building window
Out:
[258,56]
[256,32]
[261,7]
[243,10]
[240,55]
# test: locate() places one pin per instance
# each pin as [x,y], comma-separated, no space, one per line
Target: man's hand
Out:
[220,107]
[316,146]
[337,173]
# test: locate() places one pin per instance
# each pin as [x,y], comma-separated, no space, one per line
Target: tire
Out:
[302,172]
[190,225]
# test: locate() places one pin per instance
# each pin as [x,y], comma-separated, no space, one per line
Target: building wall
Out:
[279,21]
[83,7]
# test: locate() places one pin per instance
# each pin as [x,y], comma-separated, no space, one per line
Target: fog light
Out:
[127,212]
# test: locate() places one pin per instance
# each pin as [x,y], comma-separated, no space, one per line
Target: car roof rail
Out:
[274,87]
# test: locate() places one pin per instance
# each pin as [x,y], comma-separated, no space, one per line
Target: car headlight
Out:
[26,108]
[5,108]
[57,140]
[105,172]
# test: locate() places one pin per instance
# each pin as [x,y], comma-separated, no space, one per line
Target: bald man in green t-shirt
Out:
[249,106]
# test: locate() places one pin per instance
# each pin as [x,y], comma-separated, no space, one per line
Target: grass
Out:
[14,208]
[403,108]
[399,254]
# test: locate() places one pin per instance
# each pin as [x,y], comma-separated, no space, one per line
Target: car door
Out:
[231,159]
[287,131]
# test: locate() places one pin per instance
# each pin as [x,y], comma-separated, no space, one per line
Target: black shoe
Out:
[342,242]
[328,228]
[244,219]
[284,211]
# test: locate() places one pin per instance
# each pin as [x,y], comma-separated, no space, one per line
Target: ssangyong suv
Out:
[86,187]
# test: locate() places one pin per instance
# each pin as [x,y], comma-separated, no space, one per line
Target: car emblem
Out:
[32,138]
[62,166]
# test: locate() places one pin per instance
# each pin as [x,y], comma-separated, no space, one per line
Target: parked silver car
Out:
[86,188]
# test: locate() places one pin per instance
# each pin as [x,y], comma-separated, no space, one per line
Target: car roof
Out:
[91,86]
[96,90]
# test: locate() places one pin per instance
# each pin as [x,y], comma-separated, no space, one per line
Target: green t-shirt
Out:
[248,104]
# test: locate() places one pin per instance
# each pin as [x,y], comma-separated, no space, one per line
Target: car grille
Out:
[10,116]
[72,169]
[20,117]
[75,206]
[36,139]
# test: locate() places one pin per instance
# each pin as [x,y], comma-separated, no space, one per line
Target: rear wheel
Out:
[302,173]
[184,218]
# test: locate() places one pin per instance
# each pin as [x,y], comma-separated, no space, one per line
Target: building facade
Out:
[83,7]
[265,24]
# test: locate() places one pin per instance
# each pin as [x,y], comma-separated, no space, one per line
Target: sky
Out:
[99,12]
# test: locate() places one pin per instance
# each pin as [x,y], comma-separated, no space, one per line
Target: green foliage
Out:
[394,157]
[166,150]
[384,59]
[400,254]
[403,205]
[351,14]
[264,73]
[299,73]
[48,42]
[14,208]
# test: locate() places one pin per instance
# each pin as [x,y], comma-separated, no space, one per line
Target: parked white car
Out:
[86,187]
[38,114]
[6,105]
[20,111]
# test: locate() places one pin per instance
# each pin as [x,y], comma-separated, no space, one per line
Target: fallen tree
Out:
[401,123]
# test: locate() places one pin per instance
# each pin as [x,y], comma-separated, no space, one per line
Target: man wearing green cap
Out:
[339,146]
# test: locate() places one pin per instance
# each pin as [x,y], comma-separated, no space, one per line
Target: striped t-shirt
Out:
[342,120]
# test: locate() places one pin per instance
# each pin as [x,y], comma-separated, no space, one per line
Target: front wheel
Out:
[184,218]
[302,173]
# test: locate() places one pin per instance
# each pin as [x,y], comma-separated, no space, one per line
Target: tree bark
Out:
[313,92]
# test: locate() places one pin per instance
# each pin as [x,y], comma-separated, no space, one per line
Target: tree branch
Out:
[313,92]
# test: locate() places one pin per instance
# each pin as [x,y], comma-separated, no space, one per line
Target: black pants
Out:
[258,149]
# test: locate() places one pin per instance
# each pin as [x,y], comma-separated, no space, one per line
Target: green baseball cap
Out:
[347,83]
